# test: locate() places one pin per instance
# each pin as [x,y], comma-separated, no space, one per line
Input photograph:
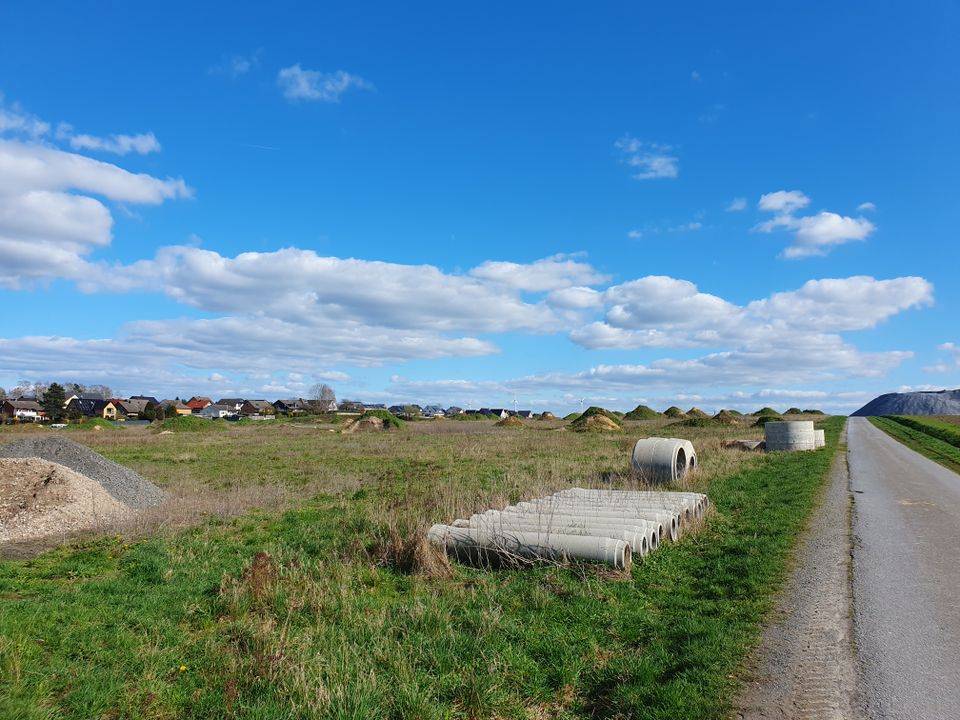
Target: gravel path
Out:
[805,666]
[122,483]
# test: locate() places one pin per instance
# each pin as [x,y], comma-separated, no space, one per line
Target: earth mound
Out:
[696,412]
[596,419]
[510,421]
[943,402]
[375,421]
[40,498]
[641,412]
[725,417]
[121,483]
[548,416]
[674,412]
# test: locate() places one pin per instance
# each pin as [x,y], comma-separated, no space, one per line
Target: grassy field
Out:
[325,602]
[935,438]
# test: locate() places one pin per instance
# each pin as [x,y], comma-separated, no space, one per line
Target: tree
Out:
[103,391]
[73,412]
[3,394]
[324,396]
[170,410]
[149,412]
[158,412]
[52,404]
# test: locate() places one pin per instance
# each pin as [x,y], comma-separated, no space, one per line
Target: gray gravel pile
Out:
[122,483]
[943,402]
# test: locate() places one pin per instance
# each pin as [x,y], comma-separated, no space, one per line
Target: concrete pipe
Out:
[819,438]
[696,503]
[669,519]
[789,435]
[636,537]
[663,460]
[650,530]
[686,510]
[477,545]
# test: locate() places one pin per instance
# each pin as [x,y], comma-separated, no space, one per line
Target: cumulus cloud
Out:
[866,207]
[552,273]
[813,234]
[648,160]
[49,223]
[950,362]
[15,120]
[298,84]
[736,205]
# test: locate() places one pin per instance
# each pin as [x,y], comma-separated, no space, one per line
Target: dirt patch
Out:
[595,423]
[510,421]
[369,424]
[43,499]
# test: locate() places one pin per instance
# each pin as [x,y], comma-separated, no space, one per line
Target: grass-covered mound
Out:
[794,411]
[390,421]
[696,412]
[766,411]
[764,419]
[674,412]
[547,416]
[571,416]
[596,419]
[510,421]
[814,412]
[641,412]
[697,422]
[189,423]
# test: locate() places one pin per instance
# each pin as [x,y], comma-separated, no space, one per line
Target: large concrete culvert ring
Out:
[663,460]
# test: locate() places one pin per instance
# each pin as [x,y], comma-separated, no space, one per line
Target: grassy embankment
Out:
[320,612]
[936,439]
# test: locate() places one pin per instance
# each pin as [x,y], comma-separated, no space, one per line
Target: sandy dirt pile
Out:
[39,498]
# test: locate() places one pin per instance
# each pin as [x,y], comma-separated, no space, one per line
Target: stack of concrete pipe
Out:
[608,526]
[790,435]
[662,460]
[819,438]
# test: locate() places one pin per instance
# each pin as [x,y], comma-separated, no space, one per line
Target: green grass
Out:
[189,423]
[90,423]
[917,435]
[945,431]
[305,614]
[389,419]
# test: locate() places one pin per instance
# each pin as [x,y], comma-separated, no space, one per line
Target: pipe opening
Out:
[680,467]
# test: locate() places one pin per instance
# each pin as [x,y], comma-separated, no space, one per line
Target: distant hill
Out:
[943,402]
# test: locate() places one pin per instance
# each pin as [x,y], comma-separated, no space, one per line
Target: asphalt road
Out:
[906,577]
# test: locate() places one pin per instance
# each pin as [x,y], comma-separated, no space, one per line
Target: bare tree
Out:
[3,394]
[103,391]
[324,396]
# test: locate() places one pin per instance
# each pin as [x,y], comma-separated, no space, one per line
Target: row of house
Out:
[28,409]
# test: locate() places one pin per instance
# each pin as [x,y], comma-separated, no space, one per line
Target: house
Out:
[178,405]
[94,408]
[454,410]
[216,411]
[21,411]
[494,412]
[257,407]
[433,411]
[293,406]
[525,414]
[236,403]
[148,398]
[351,407]
[374,406]
[196,404]
[396,409]
[131,407]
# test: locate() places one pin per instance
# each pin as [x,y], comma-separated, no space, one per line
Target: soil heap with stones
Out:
[54,486]
[943,402]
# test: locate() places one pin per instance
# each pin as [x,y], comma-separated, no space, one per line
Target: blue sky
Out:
[720,206]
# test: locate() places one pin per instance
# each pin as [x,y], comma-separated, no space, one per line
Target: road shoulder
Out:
[805,665]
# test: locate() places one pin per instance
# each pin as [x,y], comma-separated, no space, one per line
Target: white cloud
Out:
[142,144]
[813,234]
[649,160]
[736,205]
[552,273]
[951,363]
[635,234]
[237,65]
[866,207]
[687,226]
[785,201]
[15,120]
[299,84]
[576,298]
[49,223]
